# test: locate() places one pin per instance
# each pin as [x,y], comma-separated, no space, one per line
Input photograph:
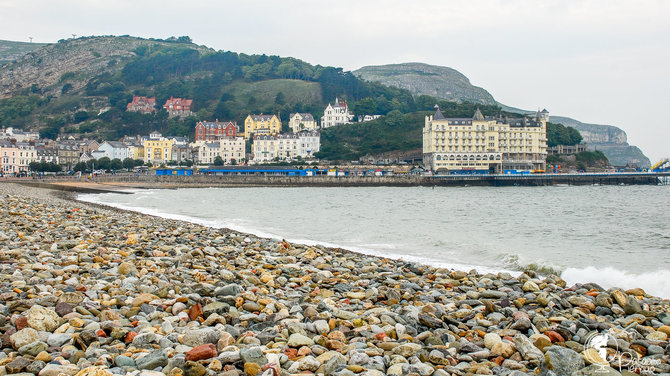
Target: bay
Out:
[611,235]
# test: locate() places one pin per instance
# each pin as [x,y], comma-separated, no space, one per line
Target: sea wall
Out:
[397,181]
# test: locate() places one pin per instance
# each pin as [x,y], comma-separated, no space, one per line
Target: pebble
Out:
[93,291]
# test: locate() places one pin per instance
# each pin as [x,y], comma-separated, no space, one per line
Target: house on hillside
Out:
[336,114]
[178,107]
[299,122]
[142,105]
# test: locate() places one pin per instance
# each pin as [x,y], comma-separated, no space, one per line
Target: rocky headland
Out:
[87,290]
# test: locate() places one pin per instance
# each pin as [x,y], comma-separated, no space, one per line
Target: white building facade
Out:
[231,150]
[113,150]
[336,114]
[286,147]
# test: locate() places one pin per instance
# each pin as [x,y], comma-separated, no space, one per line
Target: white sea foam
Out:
[653,283]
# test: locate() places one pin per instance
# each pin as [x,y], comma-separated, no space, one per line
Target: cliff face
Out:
[447,83]
[419,78]
[612,141]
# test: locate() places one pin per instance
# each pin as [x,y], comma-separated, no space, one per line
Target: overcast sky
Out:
[602,61]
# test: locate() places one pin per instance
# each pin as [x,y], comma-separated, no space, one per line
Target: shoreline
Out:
[430,320]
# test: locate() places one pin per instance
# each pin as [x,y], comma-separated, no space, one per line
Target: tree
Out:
[67,87]
[80,116]
[104,163]
[34,166]
[80,167]
[218,161]
[128,163]
[280,99]
[116,164]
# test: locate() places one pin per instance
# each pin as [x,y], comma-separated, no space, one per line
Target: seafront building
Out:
[485,144]
[231,150]
[336,114]
[214,130]
[261,125]
[299,122]
[112,150]
[157,149]
[285,147]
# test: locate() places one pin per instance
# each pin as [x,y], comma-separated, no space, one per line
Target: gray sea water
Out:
[611,235]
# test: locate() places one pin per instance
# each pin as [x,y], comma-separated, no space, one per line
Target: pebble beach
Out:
[89,290]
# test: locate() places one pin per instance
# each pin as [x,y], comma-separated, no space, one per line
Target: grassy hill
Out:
[81,86]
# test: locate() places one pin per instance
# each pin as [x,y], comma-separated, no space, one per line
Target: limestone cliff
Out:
[448,83]
[419,78]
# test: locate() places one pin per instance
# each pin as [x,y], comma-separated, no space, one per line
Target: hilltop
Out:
[447,83]
[10,51]
[81,86]
[424,79]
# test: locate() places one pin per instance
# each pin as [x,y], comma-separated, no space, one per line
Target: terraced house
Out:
[485,144]
[215,130]
[157,149]
[261,125]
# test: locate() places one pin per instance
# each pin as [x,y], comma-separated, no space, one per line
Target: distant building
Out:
[47,155]
[364,118]
[231,150]
[178,107]
[135,150]
[9,154]
[214,131]
[261,125]
[299,122]
[567,149]
[10,133]
[157,149]
[87,146]
[113,150]
[68,154]
[285,147]
[336,114]
[142,105]
[181,152]
[481,143]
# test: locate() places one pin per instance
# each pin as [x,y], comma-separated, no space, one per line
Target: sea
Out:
[616,236]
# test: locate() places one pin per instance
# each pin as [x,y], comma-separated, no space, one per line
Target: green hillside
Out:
[81,86]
